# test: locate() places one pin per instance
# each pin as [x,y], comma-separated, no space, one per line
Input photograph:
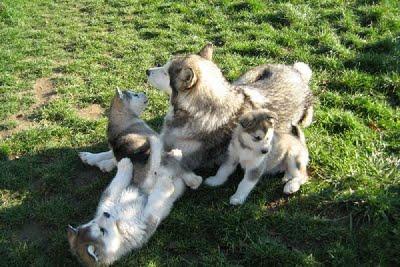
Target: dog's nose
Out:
[264,151]
[147,72]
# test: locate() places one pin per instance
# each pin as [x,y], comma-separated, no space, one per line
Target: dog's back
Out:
[281,85]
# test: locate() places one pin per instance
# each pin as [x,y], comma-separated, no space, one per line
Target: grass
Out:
[60,62]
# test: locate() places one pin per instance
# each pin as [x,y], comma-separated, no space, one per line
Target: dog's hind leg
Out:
[93,158]
[296,168]
[106,165]
[120,182]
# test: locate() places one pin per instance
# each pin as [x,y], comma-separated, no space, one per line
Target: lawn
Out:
[60,62]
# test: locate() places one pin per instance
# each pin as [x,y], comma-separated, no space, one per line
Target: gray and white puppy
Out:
[130,137]
[205,107]
[259,149]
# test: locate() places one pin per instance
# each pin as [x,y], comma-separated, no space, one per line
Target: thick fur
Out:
[205,107]
[259,149]
[126,217]
[129,136]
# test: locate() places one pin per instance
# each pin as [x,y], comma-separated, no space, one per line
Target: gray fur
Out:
[128,136]
[201,119]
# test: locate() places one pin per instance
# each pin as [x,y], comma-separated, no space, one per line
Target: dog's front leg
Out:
[251,178]
[226,169]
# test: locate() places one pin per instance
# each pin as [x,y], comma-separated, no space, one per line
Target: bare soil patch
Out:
[92,112]
[44,91]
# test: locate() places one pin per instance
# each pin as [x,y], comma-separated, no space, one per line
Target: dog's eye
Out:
[102,230]
[135,95]
[257,138]
[106,214]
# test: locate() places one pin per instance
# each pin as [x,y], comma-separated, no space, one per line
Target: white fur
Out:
[137,102]
[131,212]
[93,159]
[159,78]
[256,163]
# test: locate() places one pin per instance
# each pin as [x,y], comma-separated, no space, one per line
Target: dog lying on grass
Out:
[126,217]
[260,150]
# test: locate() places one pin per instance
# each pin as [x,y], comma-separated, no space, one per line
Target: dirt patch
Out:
[32,232]
[22,124]
[44,90]
[92,112]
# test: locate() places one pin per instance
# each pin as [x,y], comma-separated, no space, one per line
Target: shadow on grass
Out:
[44,192]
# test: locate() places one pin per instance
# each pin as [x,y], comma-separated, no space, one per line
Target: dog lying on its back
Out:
[260,150]
[129,136]
[126,217]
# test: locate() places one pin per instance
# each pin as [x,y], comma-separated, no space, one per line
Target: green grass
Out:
[348,214]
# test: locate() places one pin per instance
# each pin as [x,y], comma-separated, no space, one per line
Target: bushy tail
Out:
[304,70]
[296,131]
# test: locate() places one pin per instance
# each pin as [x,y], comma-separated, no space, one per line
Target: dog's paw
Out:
[87,158]
[286,178]
[292,186]
[193,181]
[237,199]
[176,153]
[125,164]
[106,165]
[214,181]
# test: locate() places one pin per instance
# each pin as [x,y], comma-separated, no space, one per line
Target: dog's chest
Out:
[248,158]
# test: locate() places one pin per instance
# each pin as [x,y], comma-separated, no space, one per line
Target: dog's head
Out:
[256,129]
[96,242]
[129,102]
[181,72]
[193,81]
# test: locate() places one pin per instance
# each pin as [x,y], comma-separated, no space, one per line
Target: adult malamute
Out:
[205,107]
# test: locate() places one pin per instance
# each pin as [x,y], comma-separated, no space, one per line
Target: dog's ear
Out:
[188,78]
[119,93]
[207,51]
[71,233]
[246,120]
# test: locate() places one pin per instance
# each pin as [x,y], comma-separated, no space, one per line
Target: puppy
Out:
[261,150]
[129,136]
[126,217]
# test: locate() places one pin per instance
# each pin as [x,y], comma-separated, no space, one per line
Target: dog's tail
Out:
[296,131]
[304,70]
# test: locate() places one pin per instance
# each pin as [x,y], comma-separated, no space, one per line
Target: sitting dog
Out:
[126,217]
[205,107]
[129,136]
[259,149]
